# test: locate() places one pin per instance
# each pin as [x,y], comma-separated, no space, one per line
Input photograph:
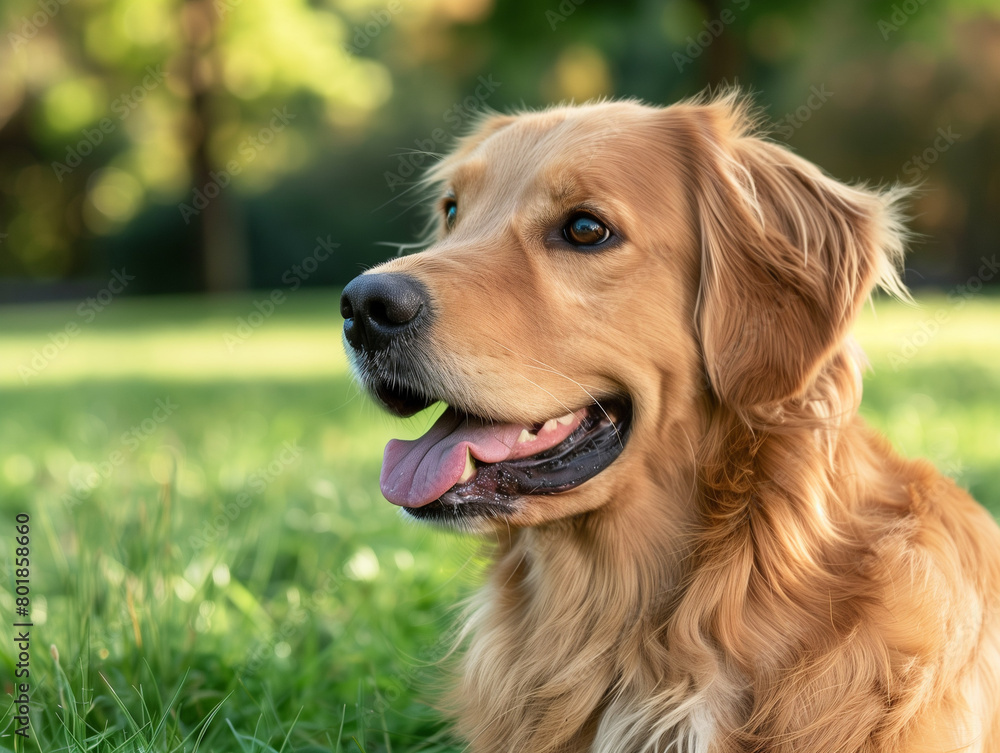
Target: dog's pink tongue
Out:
[418,471]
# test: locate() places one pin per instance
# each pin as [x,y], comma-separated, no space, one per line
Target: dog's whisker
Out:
[558,373]
[410,208]
[402,151]
[537,385]
[398,196]
[401,248]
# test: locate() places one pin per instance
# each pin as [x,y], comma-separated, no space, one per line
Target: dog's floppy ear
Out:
[788,257]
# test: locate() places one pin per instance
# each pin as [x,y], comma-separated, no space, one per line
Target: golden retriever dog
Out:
[639,320]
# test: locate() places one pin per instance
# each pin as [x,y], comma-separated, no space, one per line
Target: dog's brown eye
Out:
[450,213]
[585,230]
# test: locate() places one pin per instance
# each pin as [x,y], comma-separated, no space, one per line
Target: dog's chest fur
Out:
[575,647]
[562,656]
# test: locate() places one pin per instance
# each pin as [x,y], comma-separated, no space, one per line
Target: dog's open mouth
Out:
[469,466]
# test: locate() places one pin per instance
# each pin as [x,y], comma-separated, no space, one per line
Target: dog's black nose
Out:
[379,307]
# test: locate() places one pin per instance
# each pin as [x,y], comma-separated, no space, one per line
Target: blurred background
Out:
[206,145]
[184,187]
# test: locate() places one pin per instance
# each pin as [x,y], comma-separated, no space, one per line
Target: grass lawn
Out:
[212,564]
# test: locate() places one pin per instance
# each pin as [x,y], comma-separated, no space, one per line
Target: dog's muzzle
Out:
[467,465]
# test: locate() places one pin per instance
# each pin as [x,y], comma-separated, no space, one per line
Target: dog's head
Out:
[602,278]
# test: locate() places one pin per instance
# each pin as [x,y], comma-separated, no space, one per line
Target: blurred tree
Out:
[110,105]
[210,143]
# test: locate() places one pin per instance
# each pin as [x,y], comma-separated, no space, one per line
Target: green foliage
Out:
[304,615]
[132,129]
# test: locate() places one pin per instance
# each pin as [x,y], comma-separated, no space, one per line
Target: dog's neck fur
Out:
[640,623]
[562,600]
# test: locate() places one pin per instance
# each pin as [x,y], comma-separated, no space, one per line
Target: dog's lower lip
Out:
[497,489]
[400,400]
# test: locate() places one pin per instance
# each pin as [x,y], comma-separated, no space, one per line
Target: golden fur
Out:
[758,571]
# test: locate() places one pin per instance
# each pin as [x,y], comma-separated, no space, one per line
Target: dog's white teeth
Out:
[567,419]
[550,425]
[526,436]
[470,467]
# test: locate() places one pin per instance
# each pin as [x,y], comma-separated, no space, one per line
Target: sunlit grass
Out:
[934,384]
[182,339]
[193,550]
[209,588]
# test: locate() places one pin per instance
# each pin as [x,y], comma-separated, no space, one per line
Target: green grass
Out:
[308,617]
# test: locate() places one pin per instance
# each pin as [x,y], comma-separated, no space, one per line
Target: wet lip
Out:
[497,489]
[401,400]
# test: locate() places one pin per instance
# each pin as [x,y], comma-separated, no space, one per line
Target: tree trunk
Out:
[219,253]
